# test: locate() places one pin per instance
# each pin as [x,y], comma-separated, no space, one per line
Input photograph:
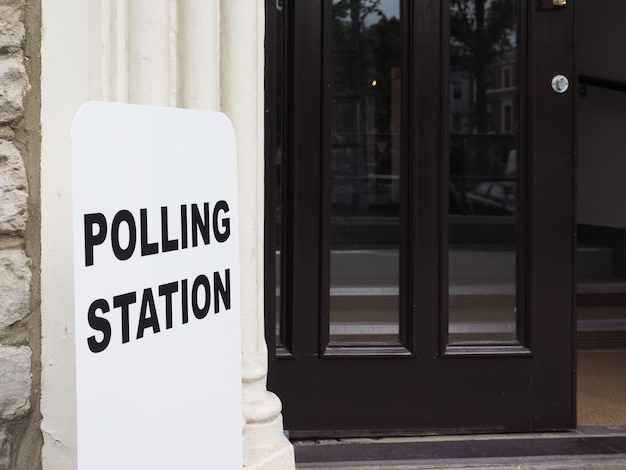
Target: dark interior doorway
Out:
[601,254]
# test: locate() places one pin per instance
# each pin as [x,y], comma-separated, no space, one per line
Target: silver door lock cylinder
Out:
[560,83]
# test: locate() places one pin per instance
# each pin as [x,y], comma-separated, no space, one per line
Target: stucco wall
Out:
[20,440]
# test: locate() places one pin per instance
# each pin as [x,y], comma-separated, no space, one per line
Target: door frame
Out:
[548,237]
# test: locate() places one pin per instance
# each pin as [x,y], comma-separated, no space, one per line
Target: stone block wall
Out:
[19,333]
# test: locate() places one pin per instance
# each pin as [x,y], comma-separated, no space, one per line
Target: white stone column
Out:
[149,52]
[198,54]
[242,95]
[114,34]
[202,54]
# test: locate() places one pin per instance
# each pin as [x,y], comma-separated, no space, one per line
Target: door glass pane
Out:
[365,171]
[483,136]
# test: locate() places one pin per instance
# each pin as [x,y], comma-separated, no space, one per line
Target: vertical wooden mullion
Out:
[444,180]
[286,264]
[523,161]
[406,314]
[425,157]
[325,171]
[552,208]
[269,229]
[306,191]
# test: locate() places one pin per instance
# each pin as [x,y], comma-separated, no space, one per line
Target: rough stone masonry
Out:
[16,352]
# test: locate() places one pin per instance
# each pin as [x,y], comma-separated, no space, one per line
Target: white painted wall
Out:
[64,88]
[601,45]
[203,54]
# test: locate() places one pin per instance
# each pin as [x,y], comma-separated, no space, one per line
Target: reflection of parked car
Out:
[493,198]
[457,202]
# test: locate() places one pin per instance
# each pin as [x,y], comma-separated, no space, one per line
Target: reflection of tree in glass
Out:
[482,32]
[366,48]
[350,60]
[356,11]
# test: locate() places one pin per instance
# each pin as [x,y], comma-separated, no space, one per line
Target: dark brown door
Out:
[420,215]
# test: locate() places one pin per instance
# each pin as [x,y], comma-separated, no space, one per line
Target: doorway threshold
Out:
[587,447]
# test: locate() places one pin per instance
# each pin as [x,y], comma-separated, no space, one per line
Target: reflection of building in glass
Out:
[484,160]
[459,101]
[501,96]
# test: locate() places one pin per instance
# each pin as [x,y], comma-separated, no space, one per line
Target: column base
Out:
[266,447]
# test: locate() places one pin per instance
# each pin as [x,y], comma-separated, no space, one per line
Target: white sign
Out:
[156,268]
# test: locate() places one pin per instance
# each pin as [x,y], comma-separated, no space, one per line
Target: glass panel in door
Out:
[364,187]
[484,108]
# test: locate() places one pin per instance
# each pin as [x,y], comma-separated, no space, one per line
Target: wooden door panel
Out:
[420,382]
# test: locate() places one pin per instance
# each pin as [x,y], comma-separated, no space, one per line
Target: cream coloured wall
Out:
[202,54]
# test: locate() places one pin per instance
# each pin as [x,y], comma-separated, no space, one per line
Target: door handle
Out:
[559,3]
[560,83]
